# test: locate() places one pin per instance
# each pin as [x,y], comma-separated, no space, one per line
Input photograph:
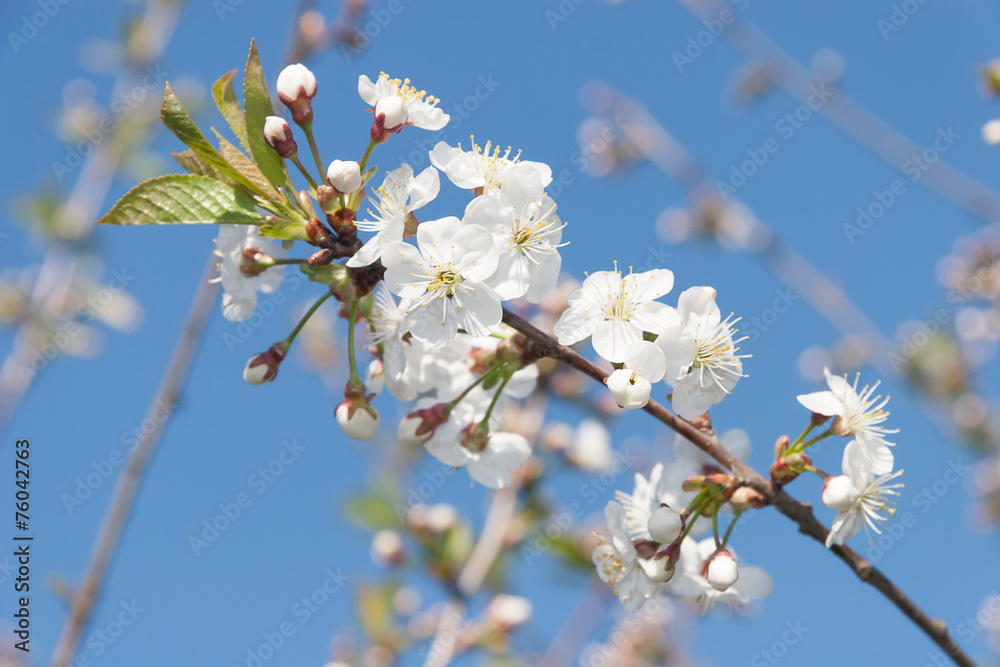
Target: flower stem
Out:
[810,443]
[298,163]
[368,153]
[729,531]
[305,318]
[288,261]
[355,379]
[802,436]
[715,528]
[315,151]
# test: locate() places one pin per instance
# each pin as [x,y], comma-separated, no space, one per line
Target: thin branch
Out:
[798,512]
[843,113]
[128,484]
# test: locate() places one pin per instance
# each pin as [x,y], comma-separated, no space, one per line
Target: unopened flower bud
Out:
[263,367]
[418,426]
[296,87]
[394,111]
[746,497]
[839,493]
[387,548]
[629,392]
[818,419]
[441,518]
[721,570]
[661,567]
[781,446]
[344,177]
[253,262]
[357,418]
[782,473]
[278,135]
[506,612]
[665,525]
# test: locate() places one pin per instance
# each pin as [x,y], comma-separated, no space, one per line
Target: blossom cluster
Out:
[429,294]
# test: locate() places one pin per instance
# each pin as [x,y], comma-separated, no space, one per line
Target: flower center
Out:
[408,92]
[716,354]
[445,282]
[530,235]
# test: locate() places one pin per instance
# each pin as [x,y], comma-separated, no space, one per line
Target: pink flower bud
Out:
[344,177]
[278,135]
[263,367]
[357,418]
[418,426]
[296,88]
[721,570]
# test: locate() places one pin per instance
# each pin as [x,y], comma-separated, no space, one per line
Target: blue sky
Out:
[529,70]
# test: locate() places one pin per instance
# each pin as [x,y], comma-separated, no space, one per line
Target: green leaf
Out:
[193,164]
[245,166]
[325,275]
[257,105]
[177,120]
[182,199]
[225,98]
[286,230]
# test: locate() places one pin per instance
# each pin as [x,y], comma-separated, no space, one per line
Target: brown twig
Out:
[127,486]
[798,512]
[843,113]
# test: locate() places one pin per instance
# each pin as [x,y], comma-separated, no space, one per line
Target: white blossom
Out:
[614,311]
[618,563]
[443,278]
[857,414]
[484,169]
[239,298]
[418,108]
[527,236]
[701,354]
[399,195]
[859,496]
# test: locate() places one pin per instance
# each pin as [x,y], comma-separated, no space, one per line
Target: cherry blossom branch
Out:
[800,513]
[127,486]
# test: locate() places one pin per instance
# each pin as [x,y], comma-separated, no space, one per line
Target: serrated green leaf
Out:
[177,120]
[324,275]
[245,166]
[257,107]
[225,98]
[182,199]
[193,164]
